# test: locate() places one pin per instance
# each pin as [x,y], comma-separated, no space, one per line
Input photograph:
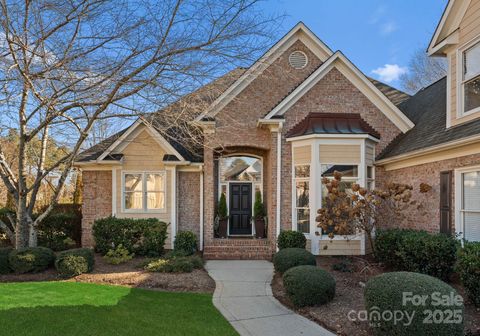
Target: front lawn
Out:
[70,308]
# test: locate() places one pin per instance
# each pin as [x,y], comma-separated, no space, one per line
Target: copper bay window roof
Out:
[332,123]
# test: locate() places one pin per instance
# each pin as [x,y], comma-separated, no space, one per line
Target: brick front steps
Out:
[238,249]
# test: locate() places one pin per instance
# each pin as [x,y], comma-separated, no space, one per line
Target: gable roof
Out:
[427,109]
[299,32]
[177,137]
[446,32]
[358,79]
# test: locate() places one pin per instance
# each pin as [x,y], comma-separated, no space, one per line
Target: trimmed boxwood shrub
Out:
[417,251]
[58,231]
[140,236]
[31,259]
[291,257]
[386,293]
[468,268]
[4,264]
[186,241]
[309,285]
[75,262]
[291,239]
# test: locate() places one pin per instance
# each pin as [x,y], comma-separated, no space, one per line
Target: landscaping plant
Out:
[74,262]
[291,239]
[291,257]
[221,220]
[468,267]
[31,259]
[185,241]
[259,215]
[175,264]
[309,285]
[117,256]
[4,263]
[439,313]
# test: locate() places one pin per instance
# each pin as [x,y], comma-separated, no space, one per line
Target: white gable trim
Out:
[358,79]
[448,25]
[299,32]
[121,143]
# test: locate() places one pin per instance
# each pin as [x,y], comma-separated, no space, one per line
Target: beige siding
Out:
[144,153]
[469,30]
[370,153]
[340,247]
[339,153]
[302,154]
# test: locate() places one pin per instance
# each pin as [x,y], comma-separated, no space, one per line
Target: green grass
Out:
[70,308]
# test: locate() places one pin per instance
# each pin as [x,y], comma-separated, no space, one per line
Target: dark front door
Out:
[240,208]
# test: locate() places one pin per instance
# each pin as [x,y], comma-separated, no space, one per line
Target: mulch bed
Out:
[129,274]
[349,296]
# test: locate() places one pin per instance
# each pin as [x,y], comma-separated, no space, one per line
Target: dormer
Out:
[457,38]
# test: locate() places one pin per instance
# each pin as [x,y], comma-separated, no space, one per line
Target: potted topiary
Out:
[259,216]
[222,216]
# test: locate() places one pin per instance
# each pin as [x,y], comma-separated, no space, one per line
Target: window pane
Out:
[346,170]
[302,171]
[472,94]
[302,194]
[133,200]
[240,168]
[303,220]
[155,200]
[345,186]
[369,172]
[155,182]
[472,226]
[471,191]
[472,61]
[133,182]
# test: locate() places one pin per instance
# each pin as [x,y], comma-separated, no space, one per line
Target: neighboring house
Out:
[299,113]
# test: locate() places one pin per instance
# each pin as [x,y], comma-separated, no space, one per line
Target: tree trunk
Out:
[22,225]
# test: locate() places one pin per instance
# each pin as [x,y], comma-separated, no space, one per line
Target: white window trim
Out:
[144,202]
[461,81]
[294,205]
[459,225]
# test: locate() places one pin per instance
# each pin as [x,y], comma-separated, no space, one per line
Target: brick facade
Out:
[97,201]
[188,205]
[427,218]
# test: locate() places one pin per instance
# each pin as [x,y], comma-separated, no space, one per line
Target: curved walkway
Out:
[244,296]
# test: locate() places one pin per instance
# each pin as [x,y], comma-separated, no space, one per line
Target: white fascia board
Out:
[333,136]
[320,49]
[117,142]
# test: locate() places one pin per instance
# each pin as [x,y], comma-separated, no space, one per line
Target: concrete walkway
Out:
[244,296]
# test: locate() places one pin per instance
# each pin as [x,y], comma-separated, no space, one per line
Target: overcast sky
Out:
[377,36]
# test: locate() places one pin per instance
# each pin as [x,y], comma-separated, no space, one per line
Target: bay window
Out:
[349,177]
[302,197]
[143,191]
[471,79]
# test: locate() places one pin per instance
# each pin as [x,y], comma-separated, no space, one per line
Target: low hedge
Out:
[175,264]
[4,264]
[391,293]
[309,285]
[291,257]
[417,251]
[468,267]
[291,239]
[140,236]
[31,259]
[186,241]
[75,262]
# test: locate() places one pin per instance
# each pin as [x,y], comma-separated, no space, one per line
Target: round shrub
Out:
[31,259]
[186,241]
[309,285]
[291,257]
[4,264]
[389,292]
[291,239]
[75,262]
[468,267]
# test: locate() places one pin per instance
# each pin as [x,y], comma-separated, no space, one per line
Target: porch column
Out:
[208,195]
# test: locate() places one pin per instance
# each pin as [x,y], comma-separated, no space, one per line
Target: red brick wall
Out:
[427,218]
[188,202]
[97,201]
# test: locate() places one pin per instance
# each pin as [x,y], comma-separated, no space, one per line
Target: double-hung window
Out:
[470,205]
[144,192]
[471,79]
[302,197]
[349,177]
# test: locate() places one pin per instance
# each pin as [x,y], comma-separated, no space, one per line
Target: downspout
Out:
[279,170]
[201,209]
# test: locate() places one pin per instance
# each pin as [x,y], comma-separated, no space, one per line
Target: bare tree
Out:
[66,64]
[423,70]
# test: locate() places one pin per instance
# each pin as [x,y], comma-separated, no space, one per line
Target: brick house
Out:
[296,115]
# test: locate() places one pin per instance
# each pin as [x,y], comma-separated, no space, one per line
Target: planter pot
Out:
[222,228]
[260,228]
